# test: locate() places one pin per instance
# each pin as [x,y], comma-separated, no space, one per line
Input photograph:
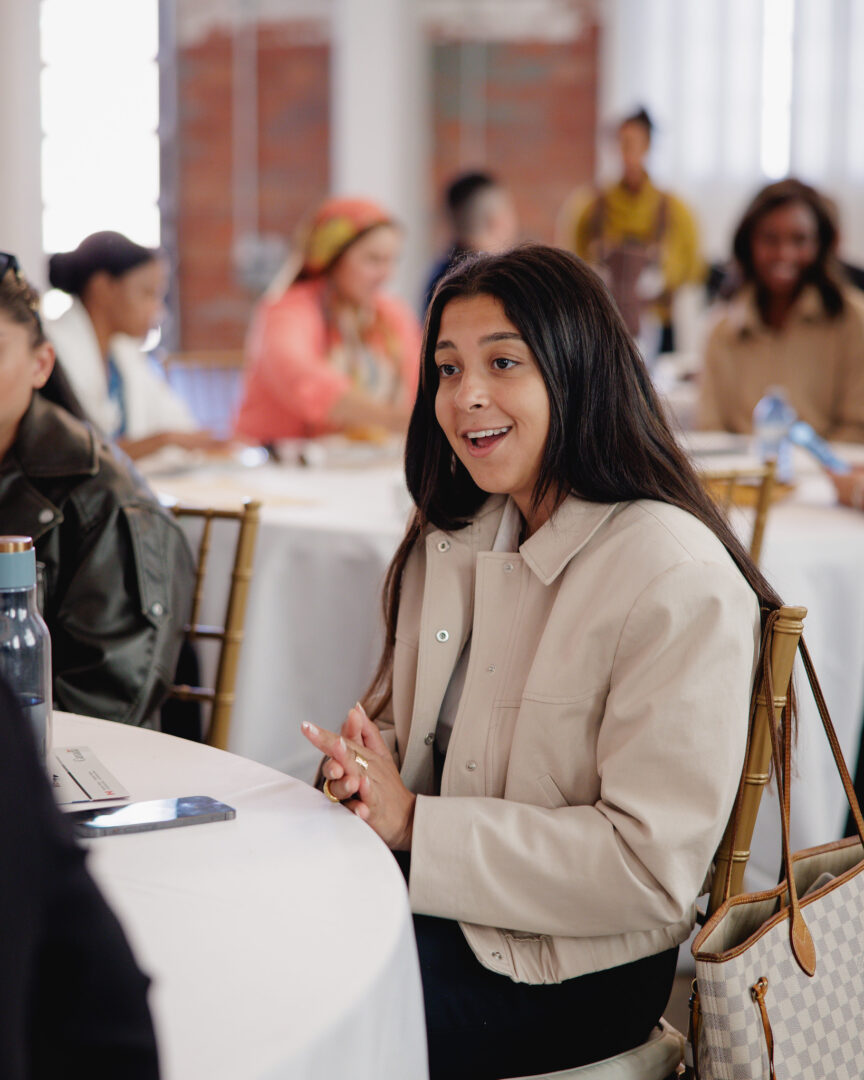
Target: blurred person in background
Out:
[330,352]
[117,289]
[643,241]
[118,572]
[792,322]
[72,998]
[480,217]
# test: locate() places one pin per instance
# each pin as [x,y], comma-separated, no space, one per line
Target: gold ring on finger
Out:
[361,761]
[329,793]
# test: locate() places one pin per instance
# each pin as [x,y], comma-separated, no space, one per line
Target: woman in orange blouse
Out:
[332,353]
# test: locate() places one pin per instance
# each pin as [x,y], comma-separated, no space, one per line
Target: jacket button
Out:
[508,567]
[491,668]
[430,738]
[156,608]
[497,956]
[442,636]
[443,545]
[470,765]
[45,516]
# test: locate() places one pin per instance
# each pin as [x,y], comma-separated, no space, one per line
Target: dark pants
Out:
[483,1026]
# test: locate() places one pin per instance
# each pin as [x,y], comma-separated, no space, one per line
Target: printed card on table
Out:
[81,777]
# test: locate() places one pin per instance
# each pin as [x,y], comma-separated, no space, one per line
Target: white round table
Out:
[313,624]
[280,944]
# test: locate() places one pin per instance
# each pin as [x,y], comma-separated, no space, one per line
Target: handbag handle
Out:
[800,938]
[801,941]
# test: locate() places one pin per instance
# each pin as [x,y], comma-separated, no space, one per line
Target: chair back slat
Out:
[226,675]
[735,845]
[230,634]
[200,574]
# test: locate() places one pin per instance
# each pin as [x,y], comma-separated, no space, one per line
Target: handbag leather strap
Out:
[800,938]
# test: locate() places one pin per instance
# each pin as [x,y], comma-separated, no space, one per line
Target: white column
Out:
[379,110]
[20,137]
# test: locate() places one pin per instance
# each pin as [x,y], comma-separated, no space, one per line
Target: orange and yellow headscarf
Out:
[335,226]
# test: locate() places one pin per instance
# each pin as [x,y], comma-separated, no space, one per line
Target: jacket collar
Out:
[564,535]
[554,544]
[745,319]
[51,442]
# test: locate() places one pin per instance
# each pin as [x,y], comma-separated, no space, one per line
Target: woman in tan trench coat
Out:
[556,730]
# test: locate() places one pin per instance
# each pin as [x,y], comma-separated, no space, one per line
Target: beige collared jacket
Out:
[599,739]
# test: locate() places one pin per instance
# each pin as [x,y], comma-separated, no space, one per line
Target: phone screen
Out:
[143,816]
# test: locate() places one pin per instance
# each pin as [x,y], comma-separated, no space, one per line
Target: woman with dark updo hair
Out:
[792,322]
[117,288]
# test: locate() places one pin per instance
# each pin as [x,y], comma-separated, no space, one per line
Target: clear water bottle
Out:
[772,419]
[25,645]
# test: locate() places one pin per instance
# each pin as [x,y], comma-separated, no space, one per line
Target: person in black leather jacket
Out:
[118,571]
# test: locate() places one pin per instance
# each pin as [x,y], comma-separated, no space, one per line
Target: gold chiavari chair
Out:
[754,486]
[230,634]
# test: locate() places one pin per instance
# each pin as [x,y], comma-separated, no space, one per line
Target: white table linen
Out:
[314,624]
[280,944]
[313,627]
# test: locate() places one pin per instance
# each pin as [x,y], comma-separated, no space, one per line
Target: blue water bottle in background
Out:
[25,645]
[772,419]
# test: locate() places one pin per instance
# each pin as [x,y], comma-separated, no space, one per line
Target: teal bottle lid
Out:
[17,562]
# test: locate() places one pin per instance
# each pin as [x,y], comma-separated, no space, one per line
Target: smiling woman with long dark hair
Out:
[793,322]
[554,735]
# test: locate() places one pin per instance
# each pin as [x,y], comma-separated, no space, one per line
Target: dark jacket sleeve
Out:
[118,621]
[72,998]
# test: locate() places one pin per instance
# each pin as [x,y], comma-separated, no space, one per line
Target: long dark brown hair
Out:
[824,272]
[608,442]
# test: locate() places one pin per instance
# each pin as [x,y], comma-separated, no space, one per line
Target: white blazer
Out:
[151,404]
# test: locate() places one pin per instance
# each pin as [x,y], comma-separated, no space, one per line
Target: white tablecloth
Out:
[280,944]
[314,625]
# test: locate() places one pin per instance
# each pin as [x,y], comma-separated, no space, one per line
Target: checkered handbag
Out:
[780,974]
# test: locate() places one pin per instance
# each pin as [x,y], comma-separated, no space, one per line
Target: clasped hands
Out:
[362,774]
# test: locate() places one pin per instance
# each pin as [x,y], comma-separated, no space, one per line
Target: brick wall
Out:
[293,168]
[534,124]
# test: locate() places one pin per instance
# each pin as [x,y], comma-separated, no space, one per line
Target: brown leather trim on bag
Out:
[757,992]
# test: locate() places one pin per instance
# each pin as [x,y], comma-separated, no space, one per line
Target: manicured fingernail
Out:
[360,708]
[306,726]
[342,743]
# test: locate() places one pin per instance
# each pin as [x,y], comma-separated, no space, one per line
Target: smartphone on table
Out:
[145,816]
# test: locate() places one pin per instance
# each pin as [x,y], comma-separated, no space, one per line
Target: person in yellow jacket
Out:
[643,241]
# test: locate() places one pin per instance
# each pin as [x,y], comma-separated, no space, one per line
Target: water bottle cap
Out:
[17,562]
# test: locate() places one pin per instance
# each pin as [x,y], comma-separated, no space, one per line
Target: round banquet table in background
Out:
[280,944]
[313,624]
[313,629]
